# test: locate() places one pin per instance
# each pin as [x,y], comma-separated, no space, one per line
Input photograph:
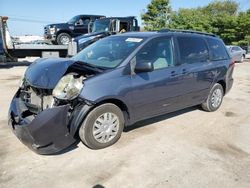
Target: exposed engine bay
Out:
[46,100]
[38,99]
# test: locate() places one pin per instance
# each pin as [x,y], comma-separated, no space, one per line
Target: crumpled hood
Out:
[46,72]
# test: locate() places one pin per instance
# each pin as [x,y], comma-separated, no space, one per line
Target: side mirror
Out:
[77,23]
[144,67]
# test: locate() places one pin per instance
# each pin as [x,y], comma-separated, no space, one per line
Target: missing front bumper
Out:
[45,133]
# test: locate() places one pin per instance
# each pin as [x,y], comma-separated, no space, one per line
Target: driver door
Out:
[156,92]
[81,26]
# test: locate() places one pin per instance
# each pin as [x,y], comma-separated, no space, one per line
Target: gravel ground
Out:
[188,148]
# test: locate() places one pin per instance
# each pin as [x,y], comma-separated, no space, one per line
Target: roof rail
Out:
[186,31]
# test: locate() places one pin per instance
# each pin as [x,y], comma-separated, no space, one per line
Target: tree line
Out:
[221,17]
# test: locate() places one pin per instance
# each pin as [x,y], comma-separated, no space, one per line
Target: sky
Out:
[30,16]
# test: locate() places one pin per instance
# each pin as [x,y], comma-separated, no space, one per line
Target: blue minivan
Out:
[116,82]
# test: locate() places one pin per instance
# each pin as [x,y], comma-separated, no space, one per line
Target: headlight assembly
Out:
[52,30]
[68,87]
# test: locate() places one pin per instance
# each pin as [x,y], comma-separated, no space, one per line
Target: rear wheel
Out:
[63,38]
[242,58]
[214,98]
[102,127]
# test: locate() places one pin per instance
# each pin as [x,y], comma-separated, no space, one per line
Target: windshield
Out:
[101,25]
[73,20]
[108,52]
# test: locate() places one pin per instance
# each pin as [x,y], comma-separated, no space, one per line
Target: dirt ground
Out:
[188,148]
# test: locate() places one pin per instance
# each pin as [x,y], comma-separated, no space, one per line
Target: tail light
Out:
[232,64]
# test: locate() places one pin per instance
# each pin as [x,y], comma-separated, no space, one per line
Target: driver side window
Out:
[157,51]
[83,21]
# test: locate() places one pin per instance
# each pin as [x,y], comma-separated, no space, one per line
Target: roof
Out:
[138,34]
[119,18]
[91,15]
[187,31]
[165,33]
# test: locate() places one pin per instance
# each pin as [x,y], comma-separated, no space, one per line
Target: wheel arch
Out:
[63,31]
[83,110]
[123,107]
[223,84]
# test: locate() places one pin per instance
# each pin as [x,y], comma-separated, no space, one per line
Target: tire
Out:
[97,121]
[63,39]
[212,104]
[54,42]
[242,59]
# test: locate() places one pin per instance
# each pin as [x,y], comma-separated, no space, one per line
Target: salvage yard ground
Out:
[188,148]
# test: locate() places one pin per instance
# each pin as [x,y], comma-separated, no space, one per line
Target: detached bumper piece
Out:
[44,133]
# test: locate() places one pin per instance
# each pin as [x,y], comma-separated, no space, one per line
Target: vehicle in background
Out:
[237,53]
[115,82]
[61,33]
[247,48]
[11,50]
[102,28]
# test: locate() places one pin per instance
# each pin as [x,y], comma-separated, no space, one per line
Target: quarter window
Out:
[192,49]
[217,48]
[157,51]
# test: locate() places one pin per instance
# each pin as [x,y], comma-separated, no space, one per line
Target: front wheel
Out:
[63,39]
[102,127]
[214,98]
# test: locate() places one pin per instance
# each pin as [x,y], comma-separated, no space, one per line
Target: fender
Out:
[79,113]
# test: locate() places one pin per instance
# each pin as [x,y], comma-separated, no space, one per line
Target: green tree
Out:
[217,8]
[218,17]
[192,19]
[243,28]
[223,18]
[157,15]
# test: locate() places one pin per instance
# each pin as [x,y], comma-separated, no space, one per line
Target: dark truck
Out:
[61,33]
[102,28]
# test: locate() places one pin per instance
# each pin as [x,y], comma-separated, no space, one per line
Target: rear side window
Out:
[192,49]
[217,48]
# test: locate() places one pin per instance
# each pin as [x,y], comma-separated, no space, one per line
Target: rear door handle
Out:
[173,73]
[184,71]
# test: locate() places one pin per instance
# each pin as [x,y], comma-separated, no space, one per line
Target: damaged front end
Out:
[42,117]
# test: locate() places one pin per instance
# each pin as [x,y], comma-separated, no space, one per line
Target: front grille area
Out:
[35,99]
[46,30]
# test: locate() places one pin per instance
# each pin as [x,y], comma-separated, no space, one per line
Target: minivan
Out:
[116,82]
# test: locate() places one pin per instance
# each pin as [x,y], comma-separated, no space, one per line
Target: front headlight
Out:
[52,30]
[68,87]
